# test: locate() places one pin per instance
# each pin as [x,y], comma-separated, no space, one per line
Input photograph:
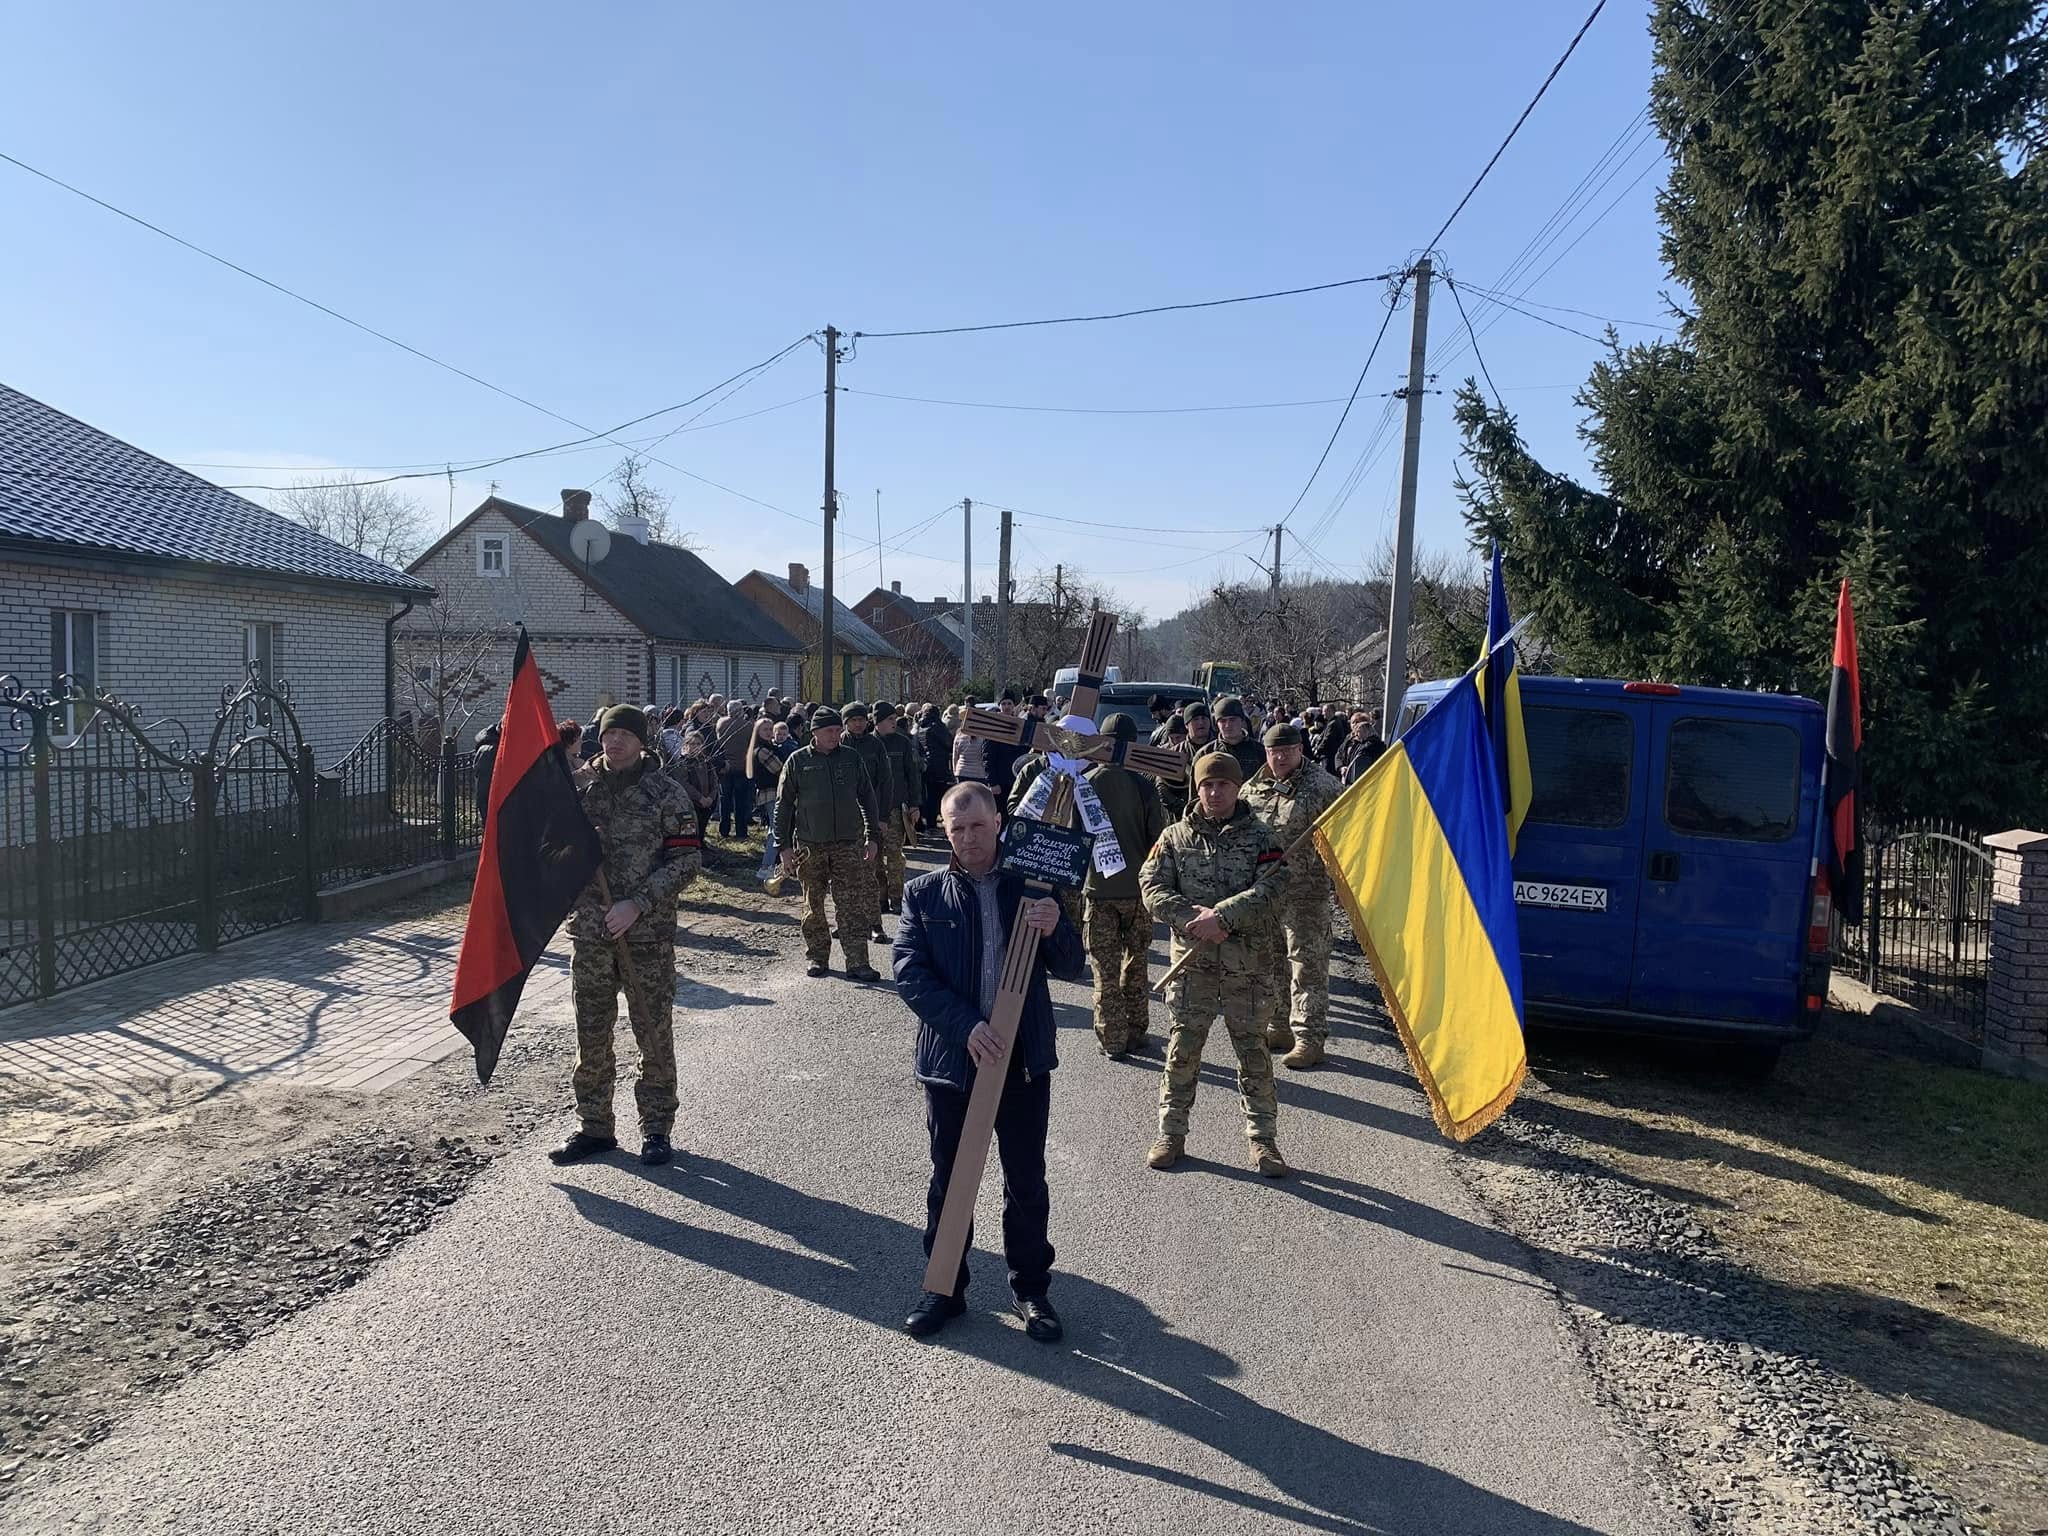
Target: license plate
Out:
[1574,898]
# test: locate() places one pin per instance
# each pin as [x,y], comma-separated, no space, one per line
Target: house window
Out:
[490,555]
[75,636]
[263,649]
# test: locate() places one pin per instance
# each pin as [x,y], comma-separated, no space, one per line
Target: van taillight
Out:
[1822,918]
[1661,690]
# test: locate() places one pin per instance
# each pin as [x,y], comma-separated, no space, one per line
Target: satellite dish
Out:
[590,542]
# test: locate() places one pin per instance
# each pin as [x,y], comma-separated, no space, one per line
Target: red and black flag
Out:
[539,851]
[1845,746]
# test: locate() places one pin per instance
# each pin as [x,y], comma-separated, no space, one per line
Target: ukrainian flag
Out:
[1418,850]
[1504,708]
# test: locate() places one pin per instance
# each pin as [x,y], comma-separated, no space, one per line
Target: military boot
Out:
[1279,1037]
[1267,1159]
[1166,1151]
[1306,1053]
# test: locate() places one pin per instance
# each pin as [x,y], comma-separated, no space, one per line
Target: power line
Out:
[1599,5]
[1357,384]
[1084,522]
[1460,298]
[1092,410]
[1127,314]
[368,330]
[1566,309]
[1178,564]
[745,374]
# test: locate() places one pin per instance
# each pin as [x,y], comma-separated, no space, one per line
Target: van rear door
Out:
[1578,860]
[1726,875]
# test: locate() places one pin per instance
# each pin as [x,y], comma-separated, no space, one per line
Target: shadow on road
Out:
[1119,1353]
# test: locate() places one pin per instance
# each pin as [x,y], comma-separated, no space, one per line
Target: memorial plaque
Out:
[1038,850]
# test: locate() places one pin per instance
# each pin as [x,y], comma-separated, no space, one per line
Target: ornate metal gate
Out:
[259,833]
[1926,931]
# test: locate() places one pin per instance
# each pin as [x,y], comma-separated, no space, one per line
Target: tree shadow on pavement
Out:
[1119,1353]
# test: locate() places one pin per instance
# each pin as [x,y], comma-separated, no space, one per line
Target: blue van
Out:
[1666,878]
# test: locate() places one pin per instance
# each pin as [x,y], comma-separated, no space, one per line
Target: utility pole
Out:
[967,588]
[1059,594]
[1276,556]
[831,511]
[1003,604]
[1404,537]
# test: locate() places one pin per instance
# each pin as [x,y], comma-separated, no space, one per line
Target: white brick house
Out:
[155,585]
[649,622]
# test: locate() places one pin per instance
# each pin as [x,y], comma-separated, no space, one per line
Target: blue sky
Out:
[609,208]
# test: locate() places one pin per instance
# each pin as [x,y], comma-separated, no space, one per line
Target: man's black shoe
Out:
[932,1313]
[1040,1321]
[876,936]
[582,1144]
[817,968]
[655,1151]
[862,973]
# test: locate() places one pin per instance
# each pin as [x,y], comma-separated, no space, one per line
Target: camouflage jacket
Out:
[906,764]
[867,746]
[1290,806]
[1202,863]
[651,850]
[826,797]
[1251,757]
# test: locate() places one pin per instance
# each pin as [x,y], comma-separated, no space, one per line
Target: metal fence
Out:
[120,845]
[1926,932]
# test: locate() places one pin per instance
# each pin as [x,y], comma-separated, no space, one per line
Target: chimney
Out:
[632,526]
[799,577]
[576,506]
[986,601]
[896,587]
[942,600]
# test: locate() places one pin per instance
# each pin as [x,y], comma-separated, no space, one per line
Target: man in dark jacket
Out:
[949,951]
[937,743]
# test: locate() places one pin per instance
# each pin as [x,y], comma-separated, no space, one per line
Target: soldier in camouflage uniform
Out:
[652,849]
[826,823]
[1116,924]
[1203,881]
[1288,794]
[899,819]
[862,741]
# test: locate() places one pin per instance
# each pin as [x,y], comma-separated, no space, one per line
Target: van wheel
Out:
[1754,1063]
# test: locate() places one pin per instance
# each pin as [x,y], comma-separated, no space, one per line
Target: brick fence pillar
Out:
[2016,1010]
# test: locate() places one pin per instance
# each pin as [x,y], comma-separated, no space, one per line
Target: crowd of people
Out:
[1208,851]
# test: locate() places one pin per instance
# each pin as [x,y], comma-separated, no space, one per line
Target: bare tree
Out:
[633,495]
[1049,620]
[379,521]
[446,666]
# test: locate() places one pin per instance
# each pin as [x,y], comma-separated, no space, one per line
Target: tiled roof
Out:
[848,632]
[668,592]
[65,484]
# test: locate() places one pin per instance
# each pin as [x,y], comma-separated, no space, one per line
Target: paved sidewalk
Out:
[334,1005]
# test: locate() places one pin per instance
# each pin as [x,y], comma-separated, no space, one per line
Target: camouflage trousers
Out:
[1119,936]
[837,869]
[649,983]
[1193,1000]
[1296,963]
[888,865]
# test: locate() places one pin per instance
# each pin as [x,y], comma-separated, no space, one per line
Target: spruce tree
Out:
[1856,212]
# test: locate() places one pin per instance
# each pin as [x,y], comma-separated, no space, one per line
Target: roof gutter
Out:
[390,661]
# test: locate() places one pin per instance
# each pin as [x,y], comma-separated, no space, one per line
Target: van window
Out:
[1732,778]
[1580,761]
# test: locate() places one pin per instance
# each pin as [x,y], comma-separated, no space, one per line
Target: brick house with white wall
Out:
[128,572]
[647,622]
[868,666]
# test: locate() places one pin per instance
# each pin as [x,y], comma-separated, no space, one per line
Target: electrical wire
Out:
[439,471]
[1356,386]
[1570,48]
[1083,522]
[1566,309]
[1093,410]
[1127,314]
[1481,356]
[442,466]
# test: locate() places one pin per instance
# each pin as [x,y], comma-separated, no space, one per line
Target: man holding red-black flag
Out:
[618,854]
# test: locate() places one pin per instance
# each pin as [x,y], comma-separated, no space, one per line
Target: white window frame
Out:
[67,662]
[488,544]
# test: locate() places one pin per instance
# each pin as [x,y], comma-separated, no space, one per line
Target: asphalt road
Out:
[713,1346]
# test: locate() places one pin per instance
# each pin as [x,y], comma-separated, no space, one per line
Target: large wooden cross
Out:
[971,1159]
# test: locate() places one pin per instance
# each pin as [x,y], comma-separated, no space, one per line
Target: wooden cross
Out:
[971,1159]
